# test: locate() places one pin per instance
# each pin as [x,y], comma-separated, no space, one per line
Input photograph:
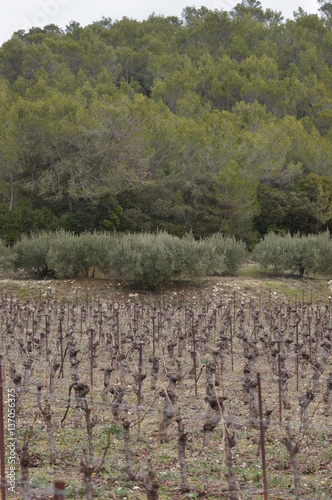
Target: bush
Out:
[143,260]
[272,251]
[63,256]
[153,261]
[190,258]
[228,254]
[21,220]
[31,254]
[7,257]
[71,255]
[148,261]
[93,252]
[302,254]
[324,253]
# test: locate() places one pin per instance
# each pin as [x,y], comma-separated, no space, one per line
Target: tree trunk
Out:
[32,189]
[70,204]
[11,193]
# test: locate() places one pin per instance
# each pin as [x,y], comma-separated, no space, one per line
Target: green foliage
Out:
[142,260]
[64,256]
[22,220]
[147,261]
[302,253]
[284,210]
[32,254]
[299,253]
[323,242]
[319,191]
[229,254]
[190,258]
[7,257]
[98,124]
[153,261]
[271,251]
[303,206]
[72,255]
[93,252]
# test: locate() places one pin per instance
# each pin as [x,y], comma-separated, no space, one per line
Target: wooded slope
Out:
[218,121]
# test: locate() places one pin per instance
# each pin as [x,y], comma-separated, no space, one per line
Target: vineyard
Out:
[208,392]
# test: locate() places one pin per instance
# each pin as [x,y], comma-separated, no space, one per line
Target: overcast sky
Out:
[23,14]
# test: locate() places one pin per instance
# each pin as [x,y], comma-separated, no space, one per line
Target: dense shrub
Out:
[21,220]
[7,257]
[147,261]
[152,261]
[155,260]
[92,253]
[302,254]
[272,252]
[229,254]
[324,254]
[143,260]
[191,259]
[31,254]
[64,255]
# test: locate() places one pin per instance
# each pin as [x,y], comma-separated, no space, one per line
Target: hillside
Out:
[218,121]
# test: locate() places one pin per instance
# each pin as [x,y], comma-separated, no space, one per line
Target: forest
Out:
[213,122]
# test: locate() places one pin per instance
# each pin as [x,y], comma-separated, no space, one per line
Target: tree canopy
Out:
[215,121]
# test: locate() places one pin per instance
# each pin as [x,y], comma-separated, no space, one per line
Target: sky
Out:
[23,14]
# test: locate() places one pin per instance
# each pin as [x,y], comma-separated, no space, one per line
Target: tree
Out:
[96,150]
[283,211]
[326,11]
[8,151]
[32,127]
[218,105]
[319,191]
[12,55]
